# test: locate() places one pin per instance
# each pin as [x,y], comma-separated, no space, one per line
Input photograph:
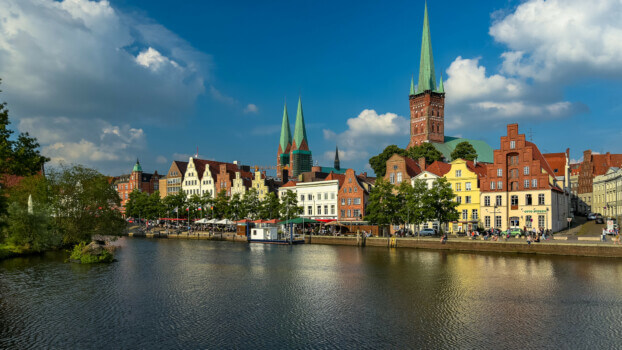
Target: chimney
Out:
[587,156]
[421,163]
[475,161]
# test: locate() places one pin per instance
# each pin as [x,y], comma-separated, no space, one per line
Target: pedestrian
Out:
[529,240]
[603,235]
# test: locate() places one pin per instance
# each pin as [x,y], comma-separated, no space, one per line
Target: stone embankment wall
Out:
[549,248]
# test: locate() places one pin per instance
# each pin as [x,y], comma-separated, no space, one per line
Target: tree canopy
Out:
[426,150]
[464,150]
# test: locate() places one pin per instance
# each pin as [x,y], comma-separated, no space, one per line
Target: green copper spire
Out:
[300,132]
[427,78]
[441,89]
[137,166]
[286,134]
[412,85]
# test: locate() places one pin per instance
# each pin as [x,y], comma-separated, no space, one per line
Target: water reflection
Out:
[198,294]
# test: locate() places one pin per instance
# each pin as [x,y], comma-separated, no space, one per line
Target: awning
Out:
[298,221]
[325,220]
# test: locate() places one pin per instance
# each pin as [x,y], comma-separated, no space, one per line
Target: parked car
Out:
[599,219]
[427,232]
[514,232]
[591,216]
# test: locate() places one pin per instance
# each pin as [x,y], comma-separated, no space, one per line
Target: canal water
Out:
[182,294]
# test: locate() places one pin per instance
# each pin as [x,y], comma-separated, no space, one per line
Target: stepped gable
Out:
[340,177]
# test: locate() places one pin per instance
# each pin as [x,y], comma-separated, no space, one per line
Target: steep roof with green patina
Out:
[427,78]
[286,133]
[137,166]
[484,151]
[412,85]
[300,132]
[441,89]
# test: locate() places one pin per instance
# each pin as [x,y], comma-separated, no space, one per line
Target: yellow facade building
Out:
[464,177]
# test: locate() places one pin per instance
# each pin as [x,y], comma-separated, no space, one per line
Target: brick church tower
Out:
[427,102]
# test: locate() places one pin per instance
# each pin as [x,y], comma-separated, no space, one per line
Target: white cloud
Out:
[562,40]
[88,142]
[251,108]
[219,96]
[550,44]
[367,134]
[154,60]
[161,159]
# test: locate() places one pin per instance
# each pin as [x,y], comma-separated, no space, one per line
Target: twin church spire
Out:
[294,154]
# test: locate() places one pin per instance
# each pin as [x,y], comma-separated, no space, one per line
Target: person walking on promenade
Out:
[616,239]
[603,236]
[528,239]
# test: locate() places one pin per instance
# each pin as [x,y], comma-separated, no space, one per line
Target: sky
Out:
[102,83]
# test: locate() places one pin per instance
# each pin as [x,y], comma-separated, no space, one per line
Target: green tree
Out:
[136,205]
[289,206]
[252,204]
[383,207]
[270,207]
[464,150]
[379,162]
[441,202]
[21,156]
[83,203]
[237,210]
[412,209]
[31,231]
[425,150]
[176,204]
[221,205]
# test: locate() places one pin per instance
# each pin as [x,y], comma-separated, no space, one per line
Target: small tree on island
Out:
[464,150]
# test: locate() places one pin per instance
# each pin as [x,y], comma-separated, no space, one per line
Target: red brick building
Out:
[400,168]
[352,197]
[137,180]
[592,166]
[520,188]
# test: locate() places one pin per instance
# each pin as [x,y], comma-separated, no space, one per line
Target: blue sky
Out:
[101,83]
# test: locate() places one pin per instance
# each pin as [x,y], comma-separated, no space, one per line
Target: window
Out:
[467,199]
[332,195]
[513,173]
[499,185]
[349,201]
[458,173]
[528,200]
[465,214]
[458,187]
[357,201]
[526,183]
[514,200]
[355,189]
[350,180]
[512,144]
[514,186]
[302,198]
[326,210]
[332,209]
[534,183]
[392,178]
[474,214]
[345,190]
[541,221]
[498,201]
[458,199]
[487,221]
[541,199]
[528,220]
[499,172]
[486,201]
[399,177]
[395,167]
[309,197]
[492,185]
[349,189]
[343,213]
[467,186]
[497,221]
[319,210]
[526,170]
[357,213]
[309,210]
[343,201]
[349,213]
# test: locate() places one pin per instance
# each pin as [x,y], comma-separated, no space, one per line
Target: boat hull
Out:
[277,241]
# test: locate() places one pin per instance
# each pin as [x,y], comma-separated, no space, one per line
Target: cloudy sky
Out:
[103,82]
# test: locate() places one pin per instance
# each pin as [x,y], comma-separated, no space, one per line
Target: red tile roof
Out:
[290,183]
[480,169]
[557,161]
[412,168]
[602,162]
[537,155]
[438,168]
[340,177]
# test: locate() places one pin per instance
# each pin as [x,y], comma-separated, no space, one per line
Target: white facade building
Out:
[192,180]
[318,199]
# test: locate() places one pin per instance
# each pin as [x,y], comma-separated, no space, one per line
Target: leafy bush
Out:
[86,258]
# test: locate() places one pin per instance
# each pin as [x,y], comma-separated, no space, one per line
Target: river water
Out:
[182,294]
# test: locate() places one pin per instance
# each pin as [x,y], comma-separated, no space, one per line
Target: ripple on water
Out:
[197,294]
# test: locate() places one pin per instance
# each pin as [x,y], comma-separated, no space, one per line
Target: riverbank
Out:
[559,246]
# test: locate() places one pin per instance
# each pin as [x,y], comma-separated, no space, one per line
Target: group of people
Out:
[616,235]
